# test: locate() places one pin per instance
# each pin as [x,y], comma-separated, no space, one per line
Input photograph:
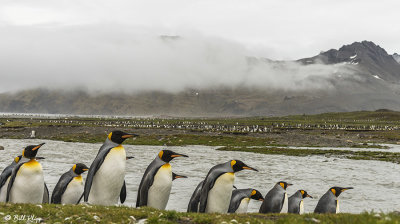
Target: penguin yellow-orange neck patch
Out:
[78,178]
[233,162]
[16,159]
[166,166]
[33,164]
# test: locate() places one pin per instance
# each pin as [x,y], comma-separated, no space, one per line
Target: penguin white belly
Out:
[159,192]
[3,191]
[73,192]
[28,186]
[285,207]
[337,207]
[301,207]
[109,178]
[219,196]
[244,204]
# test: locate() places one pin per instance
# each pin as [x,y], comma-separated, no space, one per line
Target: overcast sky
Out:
[279,29]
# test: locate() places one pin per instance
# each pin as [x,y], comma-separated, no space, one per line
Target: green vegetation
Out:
[21,213]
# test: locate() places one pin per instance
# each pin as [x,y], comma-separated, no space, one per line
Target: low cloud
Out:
[133,59]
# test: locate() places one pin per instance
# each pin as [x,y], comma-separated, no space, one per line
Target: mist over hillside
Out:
[211,77]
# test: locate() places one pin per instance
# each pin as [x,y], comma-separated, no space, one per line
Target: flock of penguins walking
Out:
[23,182]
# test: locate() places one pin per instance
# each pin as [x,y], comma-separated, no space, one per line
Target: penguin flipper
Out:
[45,195]
[193,205]
[79,200]
[145,184]
[122,195]
[101,155]
[4,176]
[12,179]
[60,188]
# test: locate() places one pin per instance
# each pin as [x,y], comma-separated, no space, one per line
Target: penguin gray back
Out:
[237,196]
[275,198]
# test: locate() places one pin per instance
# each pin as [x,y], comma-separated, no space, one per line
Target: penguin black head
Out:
[168,155]
[305,194]
[79,168]
[17,159]
[176,176]
[256,195]
[31,151]
[338,190]
[284,185]
[119,136]
[238,165]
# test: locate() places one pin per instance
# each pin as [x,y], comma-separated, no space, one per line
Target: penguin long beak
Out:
[178,155]
[250,168]
[85,169]
[39,157]
[346,188]
[129,136]
[261,199]
[180,176]
[309,196]
[38,146]
[129,157]
[289,184]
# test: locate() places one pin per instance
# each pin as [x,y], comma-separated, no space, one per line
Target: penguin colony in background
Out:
[23,182]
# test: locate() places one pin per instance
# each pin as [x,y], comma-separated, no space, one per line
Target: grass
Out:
[49,213]
[355,155]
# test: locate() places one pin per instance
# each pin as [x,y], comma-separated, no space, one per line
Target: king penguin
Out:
[5,178]
[296,204]
[276,200]
[69,187]
[155,186]
[26,183]
[241,198]
[329,202]
[216,191]
[105,179]
[194,202]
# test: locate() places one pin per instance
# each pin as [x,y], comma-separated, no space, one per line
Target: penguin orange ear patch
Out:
[74,167]
[233,162]
[302,192]
[160,154]
[109,136]
[333,191]
[253,192]
[282,185]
